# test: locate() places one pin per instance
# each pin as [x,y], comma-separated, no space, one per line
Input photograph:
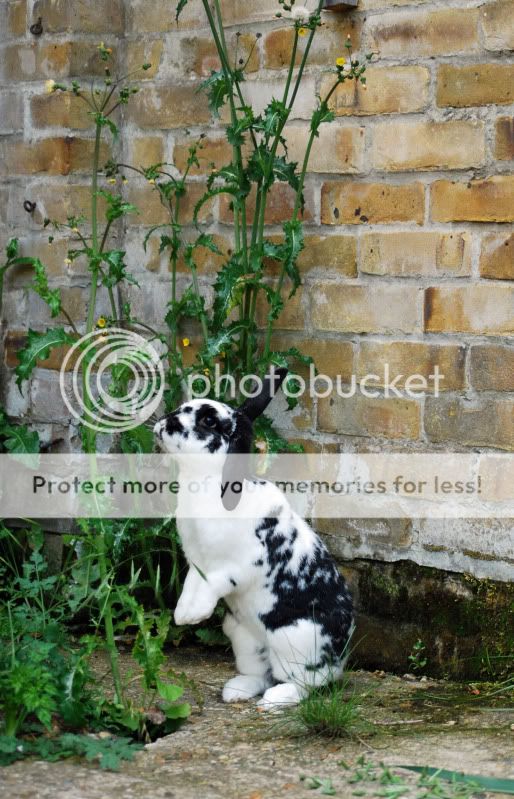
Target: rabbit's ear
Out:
[254,406]
[236,469]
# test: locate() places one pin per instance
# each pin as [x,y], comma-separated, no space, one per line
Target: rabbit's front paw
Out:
[280,696]
[192,614]
[243,687]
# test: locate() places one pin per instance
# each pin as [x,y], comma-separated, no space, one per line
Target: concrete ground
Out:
[235,752]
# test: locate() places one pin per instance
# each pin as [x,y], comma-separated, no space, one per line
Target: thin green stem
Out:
[110,643]
[203,318]
[219,39]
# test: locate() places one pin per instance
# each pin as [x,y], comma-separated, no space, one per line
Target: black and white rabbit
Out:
[290,613]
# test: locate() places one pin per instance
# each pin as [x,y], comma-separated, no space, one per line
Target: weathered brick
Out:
[337,253]
[400,146]
[80,16]
[410,254]
[46,399]
[331,357]
[58,60]
[492,367]
[35,61]
[481,423]
[346,203]
[169,107]
[85,60]
[338,149]
[69,200]
[279,208]
[141,52]
[497,21]
[17,17]
[60,109]
[504,150]
[389,90]
[475,84]
[236,11]
[4,201]
[11,111]
[259,93]
[217,152]
[364,416]
[199,54]
[480,309]
[159,16]
[153,212]
[423,33]
[365,308]
[291,318]
[51,254]
[55,156]
[497,256]
[278,44]
[146,151]
[408,358]
[489,200]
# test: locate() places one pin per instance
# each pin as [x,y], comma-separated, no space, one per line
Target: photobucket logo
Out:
[318,386]
[117,380]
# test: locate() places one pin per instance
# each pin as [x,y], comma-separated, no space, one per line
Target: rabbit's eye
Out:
[209,421]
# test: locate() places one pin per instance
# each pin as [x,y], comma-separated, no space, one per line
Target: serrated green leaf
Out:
[228,290]
[218,89]
[182,711]
[221,340]
[20,440]
[293,246]
[38,347]
[116,205]
[168,691]
[137,440]
[52,297]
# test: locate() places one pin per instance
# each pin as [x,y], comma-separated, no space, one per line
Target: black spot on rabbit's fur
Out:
[211,428]
[310,589]
[173,424]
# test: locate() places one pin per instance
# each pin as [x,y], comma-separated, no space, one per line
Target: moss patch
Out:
[466,624]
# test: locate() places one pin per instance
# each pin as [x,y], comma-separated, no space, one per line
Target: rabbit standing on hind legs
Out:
[290,616]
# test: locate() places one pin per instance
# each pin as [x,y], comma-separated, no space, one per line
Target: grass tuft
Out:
[330,710]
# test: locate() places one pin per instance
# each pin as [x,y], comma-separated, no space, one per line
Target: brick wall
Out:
[410,254]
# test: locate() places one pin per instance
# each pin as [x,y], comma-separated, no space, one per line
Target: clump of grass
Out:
[330,710]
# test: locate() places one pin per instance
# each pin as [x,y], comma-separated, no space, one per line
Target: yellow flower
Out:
[206,372]
[49,86]
[303,31]
[112,181]
[151,180]
[101,322]
[101,46]
[68,261]
[74,230]
[340,62]
[185,342]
